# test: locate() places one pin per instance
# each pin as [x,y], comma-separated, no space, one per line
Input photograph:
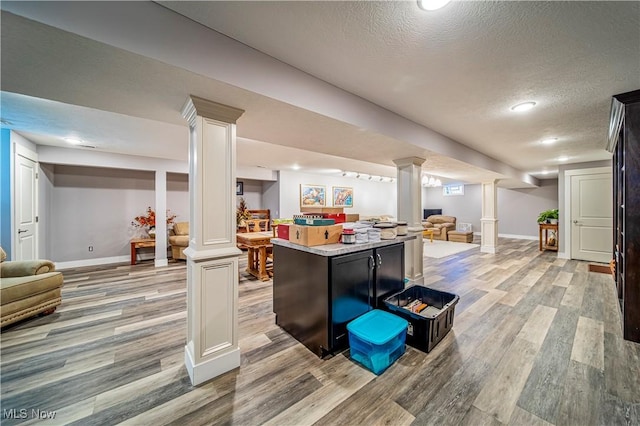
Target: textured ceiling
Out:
[456,71]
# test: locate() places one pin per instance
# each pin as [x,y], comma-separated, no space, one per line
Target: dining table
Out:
[257,244]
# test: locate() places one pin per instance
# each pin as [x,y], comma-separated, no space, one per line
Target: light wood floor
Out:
[536,341]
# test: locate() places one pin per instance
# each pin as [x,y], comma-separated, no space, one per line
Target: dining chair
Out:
[257,225]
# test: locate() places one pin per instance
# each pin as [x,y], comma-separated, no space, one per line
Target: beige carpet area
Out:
[439,249]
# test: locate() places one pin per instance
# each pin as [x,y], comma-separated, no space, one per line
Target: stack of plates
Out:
[373,234]
[362,235]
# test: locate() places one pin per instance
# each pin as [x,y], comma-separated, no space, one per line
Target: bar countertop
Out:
[340,249]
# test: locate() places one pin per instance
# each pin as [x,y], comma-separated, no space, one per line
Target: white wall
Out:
[369,197]
[18,139]
[518,209]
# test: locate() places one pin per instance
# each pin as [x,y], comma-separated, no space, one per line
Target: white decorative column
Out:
[489,220]
[161,219]
[212,256]
[410,210]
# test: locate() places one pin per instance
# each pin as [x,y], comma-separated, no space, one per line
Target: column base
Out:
[159,263]
[415,281]
[488,249]
[489,235]
[211,368]
[414,258]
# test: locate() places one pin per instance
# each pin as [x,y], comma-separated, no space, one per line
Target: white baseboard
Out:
[518,237]
[514,236]
[92,262]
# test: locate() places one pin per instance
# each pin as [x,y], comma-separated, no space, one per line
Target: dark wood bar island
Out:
[318,290]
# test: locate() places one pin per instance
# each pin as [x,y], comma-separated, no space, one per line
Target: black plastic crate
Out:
[429,326]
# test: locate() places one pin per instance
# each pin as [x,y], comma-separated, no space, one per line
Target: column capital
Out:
[403,162]
[195,106]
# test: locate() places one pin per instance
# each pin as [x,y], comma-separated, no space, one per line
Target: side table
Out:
[137,243]
[544,229]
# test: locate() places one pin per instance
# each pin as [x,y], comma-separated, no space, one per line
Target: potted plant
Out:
[549,216]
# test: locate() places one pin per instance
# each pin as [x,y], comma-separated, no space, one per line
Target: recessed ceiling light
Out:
[549,141]
[545,172]
[563,158]
[525,106]
[73,141]
[295,167]
[432,4]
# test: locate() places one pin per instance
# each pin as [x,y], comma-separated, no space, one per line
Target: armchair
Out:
[28,288]
[179,240]
[440,225]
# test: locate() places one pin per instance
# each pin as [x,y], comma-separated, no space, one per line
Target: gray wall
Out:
[178,195]
[271,197]
[45,200]
[518,209]
[93,206]
[252,193]
[466,208]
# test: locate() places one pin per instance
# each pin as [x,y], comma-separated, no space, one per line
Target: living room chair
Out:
[28,288]
[179,240]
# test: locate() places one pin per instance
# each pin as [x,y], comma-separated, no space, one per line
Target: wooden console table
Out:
[544,229]
[137,243]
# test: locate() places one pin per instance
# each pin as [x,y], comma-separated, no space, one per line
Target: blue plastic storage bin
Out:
[377,339]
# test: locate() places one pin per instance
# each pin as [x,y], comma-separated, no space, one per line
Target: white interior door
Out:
[591,217]
[26,208]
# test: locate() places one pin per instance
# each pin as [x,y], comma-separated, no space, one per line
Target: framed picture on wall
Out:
[342,196]
[239,188]
[313,196]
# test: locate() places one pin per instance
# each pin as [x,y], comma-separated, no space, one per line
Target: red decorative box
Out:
[338,217]
[283,231]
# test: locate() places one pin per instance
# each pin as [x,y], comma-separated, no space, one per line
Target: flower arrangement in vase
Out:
[242,212]
[147,222]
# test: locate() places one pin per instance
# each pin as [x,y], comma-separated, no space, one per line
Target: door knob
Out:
[20,231]
[575,221]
